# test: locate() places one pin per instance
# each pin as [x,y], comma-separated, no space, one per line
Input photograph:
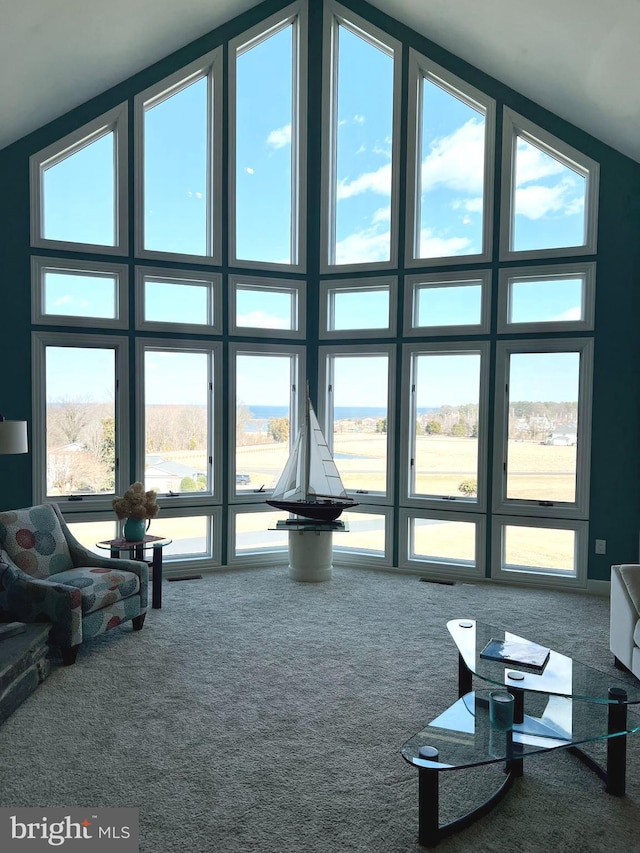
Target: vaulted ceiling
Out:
[577,58]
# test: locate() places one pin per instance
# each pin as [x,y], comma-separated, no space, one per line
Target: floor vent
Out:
[185,578]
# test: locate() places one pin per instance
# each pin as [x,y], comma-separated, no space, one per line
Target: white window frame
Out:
[413,283]
[296,16]
[514,126]
[115,121]
[325,407]
[39,343]
[275,556]
[345,556]
[209,280]
[548,578]
[299,310]
[407,432]
[329,288]
[175,565]
[40,266]
[578,509]
[561,271]
[209,66]
[420,67]
[298,374]
[336,15]
[441,569]
[213,350]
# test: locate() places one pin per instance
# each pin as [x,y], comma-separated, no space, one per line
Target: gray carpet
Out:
[253,713]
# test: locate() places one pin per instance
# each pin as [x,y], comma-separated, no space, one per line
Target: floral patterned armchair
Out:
[46,575]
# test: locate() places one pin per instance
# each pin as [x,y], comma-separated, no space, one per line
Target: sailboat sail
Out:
[310,484]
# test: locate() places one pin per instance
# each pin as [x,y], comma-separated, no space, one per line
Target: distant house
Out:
[563,436]
[164,476]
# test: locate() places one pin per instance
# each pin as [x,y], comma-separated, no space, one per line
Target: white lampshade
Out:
[13,437]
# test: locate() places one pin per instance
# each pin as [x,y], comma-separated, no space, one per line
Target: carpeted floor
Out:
[253,713]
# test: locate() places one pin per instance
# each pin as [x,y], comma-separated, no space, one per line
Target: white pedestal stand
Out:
[310,548]
[310,555]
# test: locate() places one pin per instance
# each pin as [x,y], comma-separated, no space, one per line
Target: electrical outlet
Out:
[601,546]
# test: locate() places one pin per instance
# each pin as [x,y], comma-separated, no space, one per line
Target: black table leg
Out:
[156,565]
[515,765]
[428,800]
[617,746]
[465,677]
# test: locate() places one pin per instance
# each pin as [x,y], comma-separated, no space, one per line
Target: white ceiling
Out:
[577,58]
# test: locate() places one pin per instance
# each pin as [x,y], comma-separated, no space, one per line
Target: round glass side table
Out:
[157,543]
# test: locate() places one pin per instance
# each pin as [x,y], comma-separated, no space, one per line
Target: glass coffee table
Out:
[564,705]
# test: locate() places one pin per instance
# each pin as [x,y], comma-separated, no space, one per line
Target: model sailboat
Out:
[310,484]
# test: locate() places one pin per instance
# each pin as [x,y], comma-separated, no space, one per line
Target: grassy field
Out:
[536,471]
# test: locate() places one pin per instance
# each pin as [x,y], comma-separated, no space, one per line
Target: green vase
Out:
[134,529]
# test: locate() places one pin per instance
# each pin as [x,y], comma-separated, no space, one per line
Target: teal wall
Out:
[615,469]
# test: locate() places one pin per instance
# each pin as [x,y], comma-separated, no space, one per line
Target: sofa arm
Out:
[623,616]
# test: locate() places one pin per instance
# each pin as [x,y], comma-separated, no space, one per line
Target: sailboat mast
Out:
[307,448]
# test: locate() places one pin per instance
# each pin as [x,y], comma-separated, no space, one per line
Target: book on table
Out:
[517,652]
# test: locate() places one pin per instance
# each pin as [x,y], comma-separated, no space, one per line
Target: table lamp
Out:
[13,436]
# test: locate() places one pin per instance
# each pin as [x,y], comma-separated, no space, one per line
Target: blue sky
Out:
[79,191]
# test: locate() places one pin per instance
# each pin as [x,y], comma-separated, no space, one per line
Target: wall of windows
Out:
[445,265]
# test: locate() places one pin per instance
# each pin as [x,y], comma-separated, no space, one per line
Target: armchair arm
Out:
[41,599]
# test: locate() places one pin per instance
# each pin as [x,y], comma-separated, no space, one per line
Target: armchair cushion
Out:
[100,587]
[34,540]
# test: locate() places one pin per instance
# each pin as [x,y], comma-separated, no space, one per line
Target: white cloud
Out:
[260,319]
[533,164]
[471,205]
[537,201]
[248,170]
[382,214]
[377,182]
[63,300]
[280,137]
[456,161]
[432,246]
[570,314]
[362,247]
[356,119]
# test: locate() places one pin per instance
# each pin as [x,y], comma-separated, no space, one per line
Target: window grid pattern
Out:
[316,296]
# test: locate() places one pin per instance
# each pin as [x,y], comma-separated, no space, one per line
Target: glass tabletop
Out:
[560,675]
[123,544]
[464,736]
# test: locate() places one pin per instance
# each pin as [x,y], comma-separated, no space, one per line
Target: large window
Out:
[361,93]
[451,161]
[79,187]
[267,136]
[359,403]
[544,414]
[264,419]
[446,413]
[80,417]
[178,387]
[179,159]
[550,194]
[423,266]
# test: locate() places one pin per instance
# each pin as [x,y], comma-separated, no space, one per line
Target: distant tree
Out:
[459,429]
[381,425]
[243,416]
[433,427]
[278,429]
[188,484]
